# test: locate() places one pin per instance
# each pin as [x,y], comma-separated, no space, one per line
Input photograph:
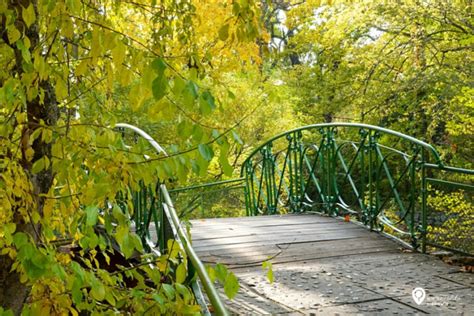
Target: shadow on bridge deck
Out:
[324,265]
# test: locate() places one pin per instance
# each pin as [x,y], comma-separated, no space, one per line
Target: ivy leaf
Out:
[206,151]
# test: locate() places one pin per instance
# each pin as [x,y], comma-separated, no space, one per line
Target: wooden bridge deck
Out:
[324,265]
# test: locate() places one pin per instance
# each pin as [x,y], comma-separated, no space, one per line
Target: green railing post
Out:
[424,192]
[363,183]
[268,169]
[295,170]
[331,161]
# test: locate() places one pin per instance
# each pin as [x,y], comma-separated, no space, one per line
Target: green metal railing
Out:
[382,178]
[156,222]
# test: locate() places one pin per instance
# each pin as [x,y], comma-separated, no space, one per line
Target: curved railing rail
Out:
[381,177]
[154,205]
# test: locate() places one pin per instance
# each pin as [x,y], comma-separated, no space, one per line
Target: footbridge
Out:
[335,218]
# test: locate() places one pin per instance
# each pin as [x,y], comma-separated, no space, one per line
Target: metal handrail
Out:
[197,264]
[145,135]
[359,125]
[168,207]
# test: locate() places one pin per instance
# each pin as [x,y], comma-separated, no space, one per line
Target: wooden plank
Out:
[295,255]
[286,238]
[267,220]
[292,249]
[246,231]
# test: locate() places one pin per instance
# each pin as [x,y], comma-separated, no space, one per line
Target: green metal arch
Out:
[414,140]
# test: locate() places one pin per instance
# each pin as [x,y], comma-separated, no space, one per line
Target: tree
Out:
[70,71]
[400,65]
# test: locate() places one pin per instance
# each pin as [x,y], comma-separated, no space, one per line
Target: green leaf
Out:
[20,239]
[268,265]
[169,291]
[211,272]
[40,164]
[159,86]
[226,167]
[231,286]
[29,15]
[207,103]
[178,86]
[181,273]
[183,291]
[76,291]
[190,94]
[206,151]
[221,272]
[157,297]
[159,66]
[78,271]
[92,212]
[13,34]
[125,241]
[224,32]
[109,297]
[98,290]
[9,230]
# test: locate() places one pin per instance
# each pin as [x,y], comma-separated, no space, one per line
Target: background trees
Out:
[400,65]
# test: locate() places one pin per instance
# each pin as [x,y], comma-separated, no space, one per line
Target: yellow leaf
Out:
[96,46]
[81,69]
[29,15]
[38,165]
[13,34]
[61,89]
[118,53]
[67,28]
